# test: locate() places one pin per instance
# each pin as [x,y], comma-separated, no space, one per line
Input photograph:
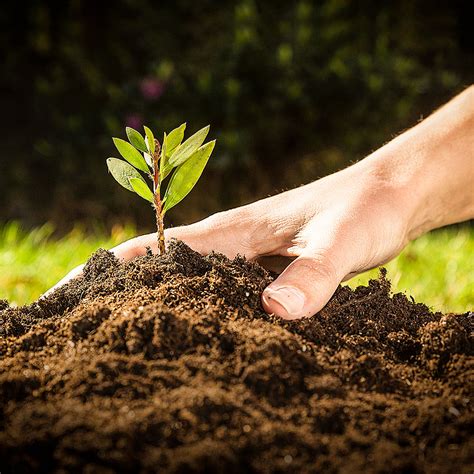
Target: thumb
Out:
[304,287]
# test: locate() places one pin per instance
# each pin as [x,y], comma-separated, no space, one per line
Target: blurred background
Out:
[292,90]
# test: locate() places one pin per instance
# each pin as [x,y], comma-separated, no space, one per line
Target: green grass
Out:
[437,269]
[31,262]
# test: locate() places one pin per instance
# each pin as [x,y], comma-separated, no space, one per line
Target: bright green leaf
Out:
[131,154]
[187,175]
[150,140]
[187,149]
[122,172]
[166,171]
[142,189]
[136,139]
[163,161]
[174,139]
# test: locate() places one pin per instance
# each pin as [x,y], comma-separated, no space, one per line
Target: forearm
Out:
[431,167]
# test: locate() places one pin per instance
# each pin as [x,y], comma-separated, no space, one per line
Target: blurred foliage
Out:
[293,90]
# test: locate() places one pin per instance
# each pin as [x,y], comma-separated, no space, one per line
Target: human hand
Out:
[333,228]
[348,222]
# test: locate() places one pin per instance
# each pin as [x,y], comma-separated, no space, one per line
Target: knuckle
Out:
[233,229]
[219,220]
[321,266]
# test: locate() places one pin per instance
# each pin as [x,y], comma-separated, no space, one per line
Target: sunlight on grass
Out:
[437,269]
[32,262]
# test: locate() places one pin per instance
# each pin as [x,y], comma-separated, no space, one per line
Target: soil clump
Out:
[169,364]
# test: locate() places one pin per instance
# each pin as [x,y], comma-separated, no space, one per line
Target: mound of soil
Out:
[169,364]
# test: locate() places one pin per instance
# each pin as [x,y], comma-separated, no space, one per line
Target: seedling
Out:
[183,162]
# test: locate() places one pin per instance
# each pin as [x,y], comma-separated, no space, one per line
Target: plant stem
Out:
[157,198]
[159,225]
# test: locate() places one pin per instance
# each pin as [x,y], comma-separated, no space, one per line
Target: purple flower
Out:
[134,121]
[151,88]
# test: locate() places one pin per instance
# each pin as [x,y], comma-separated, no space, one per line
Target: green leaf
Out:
[150,140]
[186,149]
[131,154]
[122,172]
[174,139]
[163,161]
[142,189]
[136,139]
[187,175]
[166,171]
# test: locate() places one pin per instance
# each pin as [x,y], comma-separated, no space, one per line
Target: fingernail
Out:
[289,298]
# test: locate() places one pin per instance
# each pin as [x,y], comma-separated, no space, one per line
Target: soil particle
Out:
[169,364]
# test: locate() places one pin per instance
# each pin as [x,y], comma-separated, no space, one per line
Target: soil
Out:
[169,364]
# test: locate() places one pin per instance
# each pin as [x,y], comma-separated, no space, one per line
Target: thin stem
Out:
[157,198]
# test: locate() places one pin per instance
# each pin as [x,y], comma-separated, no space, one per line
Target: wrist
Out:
[428,170]
[396,173]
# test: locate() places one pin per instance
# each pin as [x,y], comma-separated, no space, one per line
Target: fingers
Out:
[227,232]
[200,241]
[305,286]
[246,230]
[137,246]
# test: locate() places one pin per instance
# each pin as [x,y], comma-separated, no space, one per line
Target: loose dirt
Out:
[169,364]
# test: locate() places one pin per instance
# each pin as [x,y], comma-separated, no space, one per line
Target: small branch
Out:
[157,198]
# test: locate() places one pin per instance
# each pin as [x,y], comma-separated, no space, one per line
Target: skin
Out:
[343,224]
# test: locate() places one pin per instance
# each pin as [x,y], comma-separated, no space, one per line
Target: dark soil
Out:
[170,365]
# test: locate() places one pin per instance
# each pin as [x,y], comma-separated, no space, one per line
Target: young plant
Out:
[182,162]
